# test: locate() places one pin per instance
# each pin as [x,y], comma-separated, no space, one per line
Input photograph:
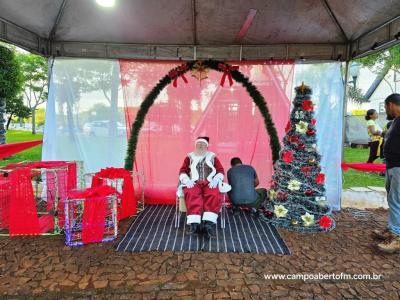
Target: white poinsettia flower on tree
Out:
[302,127]
[308,219]
[280,211]
[294,185]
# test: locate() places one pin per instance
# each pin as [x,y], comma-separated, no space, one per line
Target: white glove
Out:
[215,181]
[186,181]
[189,183]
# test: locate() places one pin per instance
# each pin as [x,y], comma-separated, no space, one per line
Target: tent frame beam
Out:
[376,39]
[58,20]
[311,51]
[379,38]
[334,19]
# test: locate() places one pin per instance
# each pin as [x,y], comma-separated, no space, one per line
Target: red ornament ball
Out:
[293,138]
[310,132]
[282,195]
[313,122]
[309,192]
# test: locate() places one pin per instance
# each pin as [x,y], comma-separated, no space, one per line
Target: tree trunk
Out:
[2,121]
[9,121]
[33,121]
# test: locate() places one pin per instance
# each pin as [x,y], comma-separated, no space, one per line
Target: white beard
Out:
[200,153]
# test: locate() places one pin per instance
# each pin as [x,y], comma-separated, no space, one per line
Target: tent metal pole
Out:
[346,75]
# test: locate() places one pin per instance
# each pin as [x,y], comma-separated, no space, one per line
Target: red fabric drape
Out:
[67,180]
[10,149]
[366,167]
[23,215]
[128,202]
[180,114]
[18,208]
[94,212]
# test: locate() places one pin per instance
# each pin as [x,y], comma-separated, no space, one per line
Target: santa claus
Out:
[201,177]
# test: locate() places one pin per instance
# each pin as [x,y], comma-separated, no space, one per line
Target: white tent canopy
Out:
[193,29]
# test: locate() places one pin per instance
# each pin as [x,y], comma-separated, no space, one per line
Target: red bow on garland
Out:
[178,72]
[227,72]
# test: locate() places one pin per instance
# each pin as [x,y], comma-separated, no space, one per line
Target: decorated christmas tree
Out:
[297,192]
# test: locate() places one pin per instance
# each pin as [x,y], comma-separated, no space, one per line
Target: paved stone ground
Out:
[43,268]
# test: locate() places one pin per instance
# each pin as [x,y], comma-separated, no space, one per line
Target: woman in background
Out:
[375,134]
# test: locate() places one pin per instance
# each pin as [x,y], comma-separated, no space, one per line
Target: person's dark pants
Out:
[373,151]
[262,195]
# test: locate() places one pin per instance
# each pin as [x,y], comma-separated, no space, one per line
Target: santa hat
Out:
[203,139]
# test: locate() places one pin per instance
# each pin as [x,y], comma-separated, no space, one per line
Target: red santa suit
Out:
[203,200]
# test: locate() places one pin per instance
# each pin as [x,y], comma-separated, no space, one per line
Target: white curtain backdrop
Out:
[325,79]
[85,117]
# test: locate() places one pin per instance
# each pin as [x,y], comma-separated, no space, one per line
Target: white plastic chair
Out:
[180,207]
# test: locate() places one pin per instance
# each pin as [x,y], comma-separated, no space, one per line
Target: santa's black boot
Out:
[209,229]
[194,228]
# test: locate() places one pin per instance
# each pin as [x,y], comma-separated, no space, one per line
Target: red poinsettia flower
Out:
[310,132]
[313,122]
[320,178]
[288,157]
[293,138]
[325,222]
[309,192]
[308,105]
[302,146]
[288,126]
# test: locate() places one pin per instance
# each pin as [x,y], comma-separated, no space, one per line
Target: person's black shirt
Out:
[392,145]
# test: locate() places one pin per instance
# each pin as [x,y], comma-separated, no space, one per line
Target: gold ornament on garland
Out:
[199,71]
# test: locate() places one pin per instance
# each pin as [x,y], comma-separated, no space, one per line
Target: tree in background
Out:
[34,73]
[382,62]
[10,84]
[15,108]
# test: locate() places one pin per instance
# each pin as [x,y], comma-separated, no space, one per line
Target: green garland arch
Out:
[178,71]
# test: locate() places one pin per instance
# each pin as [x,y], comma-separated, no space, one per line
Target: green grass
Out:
[31,154]
[353,178]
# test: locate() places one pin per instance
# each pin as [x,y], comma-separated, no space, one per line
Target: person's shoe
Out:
[194,228]
[208,229]
[382,234]
[390,246]
[235,210]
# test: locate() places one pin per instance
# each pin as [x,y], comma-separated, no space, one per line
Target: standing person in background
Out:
[391,235]
[374,132]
